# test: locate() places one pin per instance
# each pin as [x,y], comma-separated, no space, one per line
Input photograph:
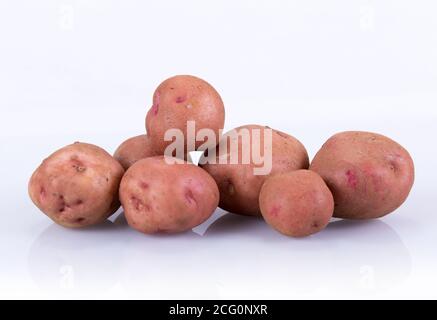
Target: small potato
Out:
[77,186]
[180,99]
[134,149]
[296,203]
[369,174]
[239,186]
[161,197]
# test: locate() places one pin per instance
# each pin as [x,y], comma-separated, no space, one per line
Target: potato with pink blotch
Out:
[369,174]
[178,100]
[296,203]
[167,198]
[77,186]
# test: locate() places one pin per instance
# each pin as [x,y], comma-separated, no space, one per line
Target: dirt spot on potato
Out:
[136,203]
[315,225]
[62,204]
[77,164]
[80,220]
[190,197]
[230,187]
[183,221]
[393,162]
[144,185]
[180,99]
[80,169]
[139,205]
[42,192]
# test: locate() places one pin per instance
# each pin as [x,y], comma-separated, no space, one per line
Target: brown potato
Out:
[369,174]
[77,186]
[134,149]
[296,203]
[178,100]
[239,186]
[161,197]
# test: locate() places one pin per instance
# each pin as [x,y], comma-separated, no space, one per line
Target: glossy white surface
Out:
[86,70]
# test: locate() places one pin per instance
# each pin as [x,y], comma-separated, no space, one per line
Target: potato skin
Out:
[239,187]
[134,149]
[297,203]
[369,174]
[168,198]
[77,185]
[180,99]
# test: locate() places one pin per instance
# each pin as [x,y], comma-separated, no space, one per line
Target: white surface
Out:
[86,70]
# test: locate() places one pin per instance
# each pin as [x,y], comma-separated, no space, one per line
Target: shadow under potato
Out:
[237,255]
[234,223]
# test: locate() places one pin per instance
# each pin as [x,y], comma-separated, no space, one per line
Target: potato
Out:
[178,100]
[239,186]
[297,203]
[134,149]
[77,186]
[169,198]
[369,174]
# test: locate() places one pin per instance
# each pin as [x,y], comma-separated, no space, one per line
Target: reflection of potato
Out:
[369,175]
[77,185]
[180,99]
[161,197]
[239,187]
[296,203]
[70,262]
[162,267]
[328,261]
[134,149]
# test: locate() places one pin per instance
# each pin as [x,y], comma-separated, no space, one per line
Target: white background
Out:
[86,70]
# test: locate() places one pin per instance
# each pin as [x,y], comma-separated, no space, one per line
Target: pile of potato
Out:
[355,175]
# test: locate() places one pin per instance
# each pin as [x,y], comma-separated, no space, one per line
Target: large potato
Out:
[77,185]
[296,203]
[134,149]
[369,174]
[180,99]
[239,186]
[161,197]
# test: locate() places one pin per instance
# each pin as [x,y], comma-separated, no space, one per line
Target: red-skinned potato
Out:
[239,186]
[369,174]
[297,203]
[180,99]
[168,198]
[77,186]
[134,149]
